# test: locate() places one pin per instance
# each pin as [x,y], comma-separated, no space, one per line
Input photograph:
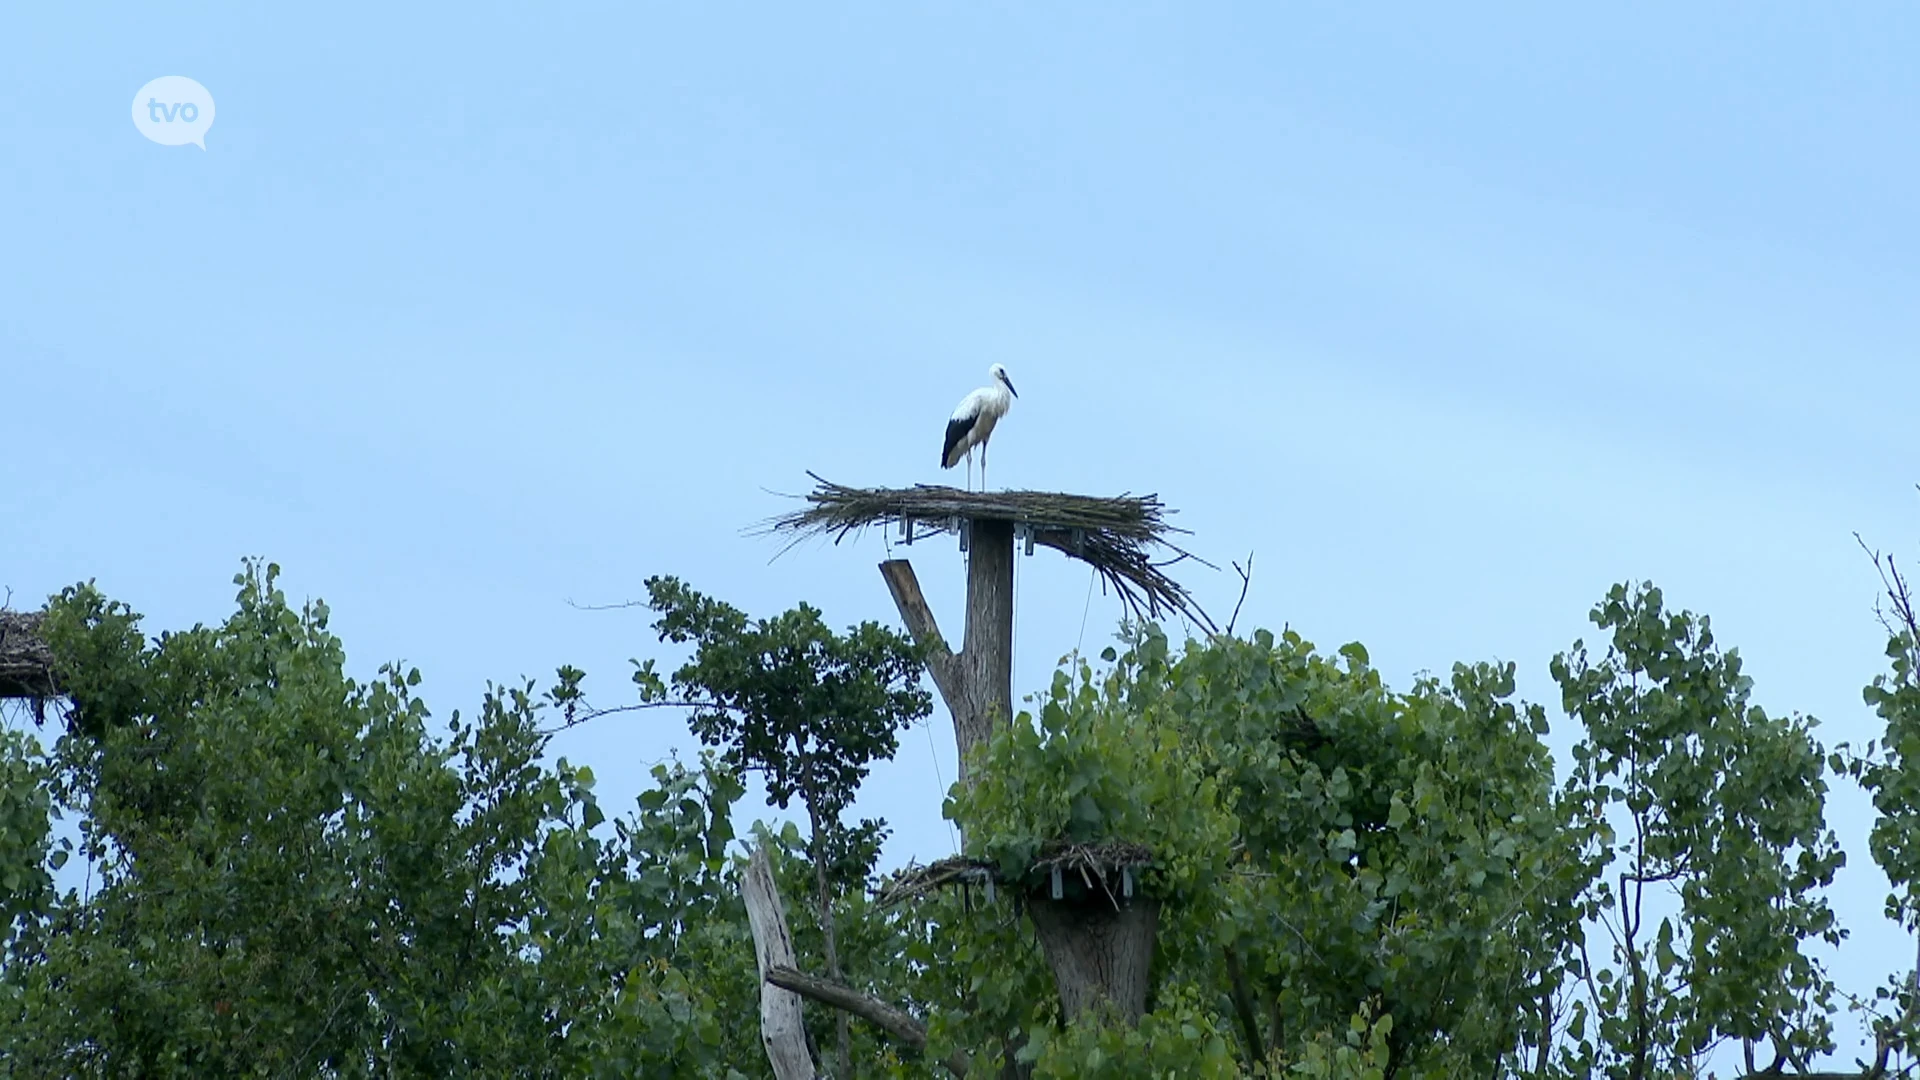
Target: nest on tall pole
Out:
[26,664]
[1116,536]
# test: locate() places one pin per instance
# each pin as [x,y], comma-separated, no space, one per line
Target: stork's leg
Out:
[983,466]
[969,468]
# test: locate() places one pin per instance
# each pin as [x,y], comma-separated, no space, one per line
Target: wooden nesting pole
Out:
[988,649]
[1096,930]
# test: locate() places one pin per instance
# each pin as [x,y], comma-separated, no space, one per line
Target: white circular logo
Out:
[173,110]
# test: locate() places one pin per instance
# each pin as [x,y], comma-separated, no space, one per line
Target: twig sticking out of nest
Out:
[1094,858]
[1113,535]
[26,664]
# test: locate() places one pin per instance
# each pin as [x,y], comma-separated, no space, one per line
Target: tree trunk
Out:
[1096,951]
[823,902]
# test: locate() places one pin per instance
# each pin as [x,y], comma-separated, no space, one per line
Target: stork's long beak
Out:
[1010,388]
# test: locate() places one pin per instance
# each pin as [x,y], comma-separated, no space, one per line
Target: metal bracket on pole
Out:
[965,527]
[1059,890]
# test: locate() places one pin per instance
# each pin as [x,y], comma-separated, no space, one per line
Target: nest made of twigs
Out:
[1116,536]
[1089,863]
[912,880]
[26,664]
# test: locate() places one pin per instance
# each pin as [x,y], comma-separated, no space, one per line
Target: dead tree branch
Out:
[781,1030]
[574,718]
[905,1030]
[942,664]
[1246,579]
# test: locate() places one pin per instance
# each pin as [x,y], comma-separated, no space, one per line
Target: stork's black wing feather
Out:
[956,430]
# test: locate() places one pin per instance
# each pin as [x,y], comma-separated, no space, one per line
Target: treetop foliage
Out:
[808,709]
[290,872]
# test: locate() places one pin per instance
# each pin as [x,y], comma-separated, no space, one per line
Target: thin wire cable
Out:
[1092,574]
[953,840]
[933,749]
[1014,665]
[933,746]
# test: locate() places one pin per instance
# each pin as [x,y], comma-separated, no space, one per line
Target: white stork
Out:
[972,423]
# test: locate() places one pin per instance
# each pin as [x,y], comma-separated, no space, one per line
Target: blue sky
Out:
[1453,316]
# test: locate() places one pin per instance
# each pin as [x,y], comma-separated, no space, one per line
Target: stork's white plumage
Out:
[972,423]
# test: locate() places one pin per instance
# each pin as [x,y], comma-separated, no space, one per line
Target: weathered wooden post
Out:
[781,1031]
[988,648]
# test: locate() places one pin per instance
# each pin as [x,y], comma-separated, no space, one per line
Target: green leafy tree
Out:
[1364,882]
[290,876]
[1722,805]
[1889,769]
[809,710]
[1339,862]
[28,854]
[293,873]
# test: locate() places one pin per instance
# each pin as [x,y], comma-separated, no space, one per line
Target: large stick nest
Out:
[1093,864]
[26,664]
[1116,536]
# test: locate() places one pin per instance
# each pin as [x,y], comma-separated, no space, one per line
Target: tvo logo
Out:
[174,110]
